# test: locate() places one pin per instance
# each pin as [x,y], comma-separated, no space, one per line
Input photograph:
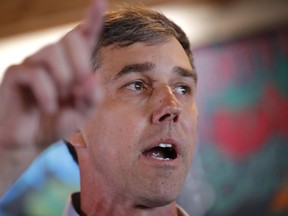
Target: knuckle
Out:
[41,56]
[12,69]
[12,72]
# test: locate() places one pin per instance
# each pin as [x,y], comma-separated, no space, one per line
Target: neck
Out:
[114,207]
[99,200]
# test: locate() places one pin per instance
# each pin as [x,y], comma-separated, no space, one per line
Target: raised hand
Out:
[48,96]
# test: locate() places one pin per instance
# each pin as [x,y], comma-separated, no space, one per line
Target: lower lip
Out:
[173,162]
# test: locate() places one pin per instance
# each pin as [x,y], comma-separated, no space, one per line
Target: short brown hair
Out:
[131,24]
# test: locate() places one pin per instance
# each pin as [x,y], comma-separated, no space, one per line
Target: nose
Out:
[167,107]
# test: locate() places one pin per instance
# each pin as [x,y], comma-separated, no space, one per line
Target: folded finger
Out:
[35,87]
[53,59]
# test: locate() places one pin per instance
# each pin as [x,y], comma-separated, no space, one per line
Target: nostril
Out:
[166,116]
[175,119]
[169,116]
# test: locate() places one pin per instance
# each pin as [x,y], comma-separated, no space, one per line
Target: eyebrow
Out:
[147,66]
[186,73]
[132,68]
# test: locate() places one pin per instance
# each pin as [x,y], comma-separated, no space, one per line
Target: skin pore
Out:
[148,99]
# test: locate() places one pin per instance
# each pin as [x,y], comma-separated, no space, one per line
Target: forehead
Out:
[164,56]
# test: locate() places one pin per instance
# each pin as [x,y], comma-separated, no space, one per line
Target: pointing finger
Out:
[92,24]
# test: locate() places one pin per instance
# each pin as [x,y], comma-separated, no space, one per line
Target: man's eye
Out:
[184,90]
[136,86]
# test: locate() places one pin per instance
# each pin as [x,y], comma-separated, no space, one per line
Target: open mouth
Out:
[164,151]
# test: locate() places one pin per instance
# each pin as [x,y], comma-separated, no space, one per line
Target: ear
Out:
[77,140]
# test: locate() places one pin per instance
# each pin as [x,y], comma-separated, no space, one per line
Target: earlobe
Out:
[77,140]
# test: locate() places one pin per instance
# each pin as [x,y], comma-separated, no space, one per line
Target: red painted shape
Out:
[241,133]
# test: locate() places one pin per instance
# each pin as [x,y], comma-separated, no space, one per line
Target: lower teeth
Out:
[156,156]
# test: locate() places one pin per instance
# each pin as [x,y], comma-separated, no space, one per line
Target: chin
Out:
[160,199]
[155,203]
[157,192]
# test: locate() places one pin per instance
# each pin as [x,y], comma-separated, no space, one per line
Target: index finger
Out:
[93,22]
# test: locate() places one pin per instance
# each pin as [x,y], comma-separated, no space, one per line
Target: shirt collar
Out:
[72,205]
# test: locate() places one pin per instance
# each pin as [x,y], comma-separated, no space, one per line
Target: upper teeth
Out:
[165,145]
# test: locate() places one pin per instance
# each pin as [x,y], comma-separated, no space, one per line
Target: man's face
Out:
[141,138]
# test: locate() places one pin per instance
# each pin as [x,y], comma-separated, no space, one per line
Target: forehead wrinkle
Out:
[135,68]
[186,73]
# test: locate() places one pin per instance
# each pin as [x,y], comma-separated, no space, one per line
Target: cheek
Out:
[117,128]
[105,139]
[190,116]
[115,139]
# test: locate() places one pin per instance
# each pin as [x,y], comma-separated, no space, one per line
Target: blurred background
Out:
[241,55]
